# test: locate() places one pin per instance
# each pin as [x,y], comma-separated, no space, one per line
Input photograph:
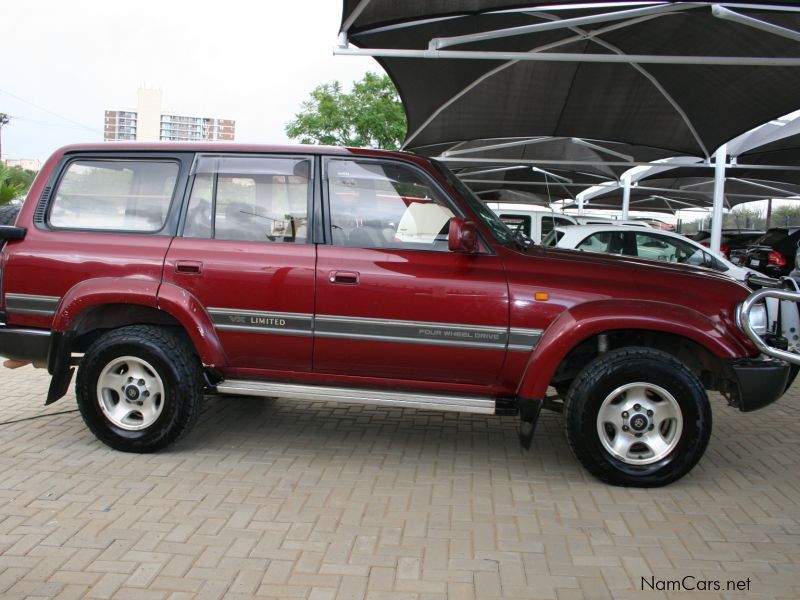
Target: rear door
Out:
[245,253]
[392,300]
[101,214]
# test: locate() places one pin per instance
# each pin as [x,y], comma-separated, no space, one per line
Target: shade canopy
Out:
[599,159]
[780,178]
[546,169]
[670,194]
[506,196]
[783,153]
[543,186]
[684,77]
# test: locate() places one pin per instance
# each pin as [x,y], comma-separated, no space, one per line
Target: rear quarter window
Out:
[114,195]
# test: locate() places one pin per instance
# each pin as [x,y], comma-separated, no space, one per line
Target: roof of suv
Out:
[229,147]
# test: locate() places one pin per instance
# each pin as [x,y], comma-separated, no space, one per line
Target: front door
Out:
[392,300]
[245,254]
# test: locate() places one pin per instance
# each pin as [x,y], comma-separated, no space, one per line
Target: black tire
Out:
[8,214]
[172,359]
[608,373]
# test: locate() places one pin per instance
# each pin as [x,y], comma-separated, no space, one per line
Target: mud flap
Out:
[59,385]
[58,365]
[529,410]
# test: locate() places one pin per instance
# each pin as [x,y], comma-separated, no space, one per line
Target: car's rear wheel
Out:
[8,214]
[139,388]
[637,417]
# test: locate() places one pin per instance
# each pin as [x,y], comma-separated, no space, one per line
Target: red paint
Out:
[275,277]
[52,263]
[191,314]
[408,285]
[587,294]
[102,291]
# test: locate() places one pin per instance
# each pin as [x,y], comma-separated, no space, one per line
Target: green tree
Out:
[14,182]
[370,115]
[22,177]
[785,216]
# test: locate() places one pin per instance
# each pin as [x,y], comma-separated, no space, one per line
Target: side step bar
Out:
[466,404]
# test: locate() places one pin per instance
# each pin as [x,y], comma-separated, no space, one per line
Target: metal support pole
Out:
[769,214]
[4,120]
[720,157]
[478,160]
[723,13]
[579,198]
[445,42]
[626,195]
[630,59]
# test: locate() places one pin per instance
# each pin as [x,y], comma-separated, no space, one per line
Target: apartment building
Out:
[148,123]
[29,164]
[177,128]
[120,125]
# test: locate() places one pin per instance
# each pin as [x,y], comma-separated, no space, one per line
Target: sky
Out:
[64,63]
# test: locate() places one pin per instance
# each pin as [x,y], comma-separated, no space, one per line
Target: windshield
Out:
[499,230]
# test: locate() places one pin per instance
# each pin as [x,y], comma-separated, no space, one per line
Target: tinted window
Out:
[713,263]
[251,199]
[518,223]
[548,223]
[666,249]
[604,241]
[773,236]
[114,195]
[562,222]
[744,238]
[552,238]
[382,205]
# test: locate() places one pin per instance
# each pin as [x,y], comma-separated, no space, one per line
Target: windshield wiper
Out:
[522,240]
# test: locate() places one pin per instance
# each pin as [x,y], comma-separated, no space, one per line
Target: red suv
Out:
[164,272]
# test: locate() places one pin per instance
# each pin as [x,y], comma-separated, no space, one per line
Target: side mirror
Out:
[462,236]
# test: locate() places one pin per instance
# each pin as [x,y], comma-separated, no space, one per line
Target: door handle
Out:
[189,267]
[343,277]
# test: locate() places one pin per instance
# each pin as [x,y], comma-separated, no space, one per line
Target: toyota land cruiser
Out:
[163,272]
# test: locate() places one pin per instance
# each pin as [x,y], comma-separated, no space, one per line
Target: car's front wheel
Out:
[139,388]
[637,417]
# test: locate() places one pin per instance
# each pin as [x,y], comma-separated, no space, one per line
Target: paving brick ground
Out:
[283,499]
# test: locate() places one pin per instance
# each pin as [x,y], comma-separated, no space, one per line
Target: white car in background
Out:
[650,244]
[584,220]
[664,246]
[534,224]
